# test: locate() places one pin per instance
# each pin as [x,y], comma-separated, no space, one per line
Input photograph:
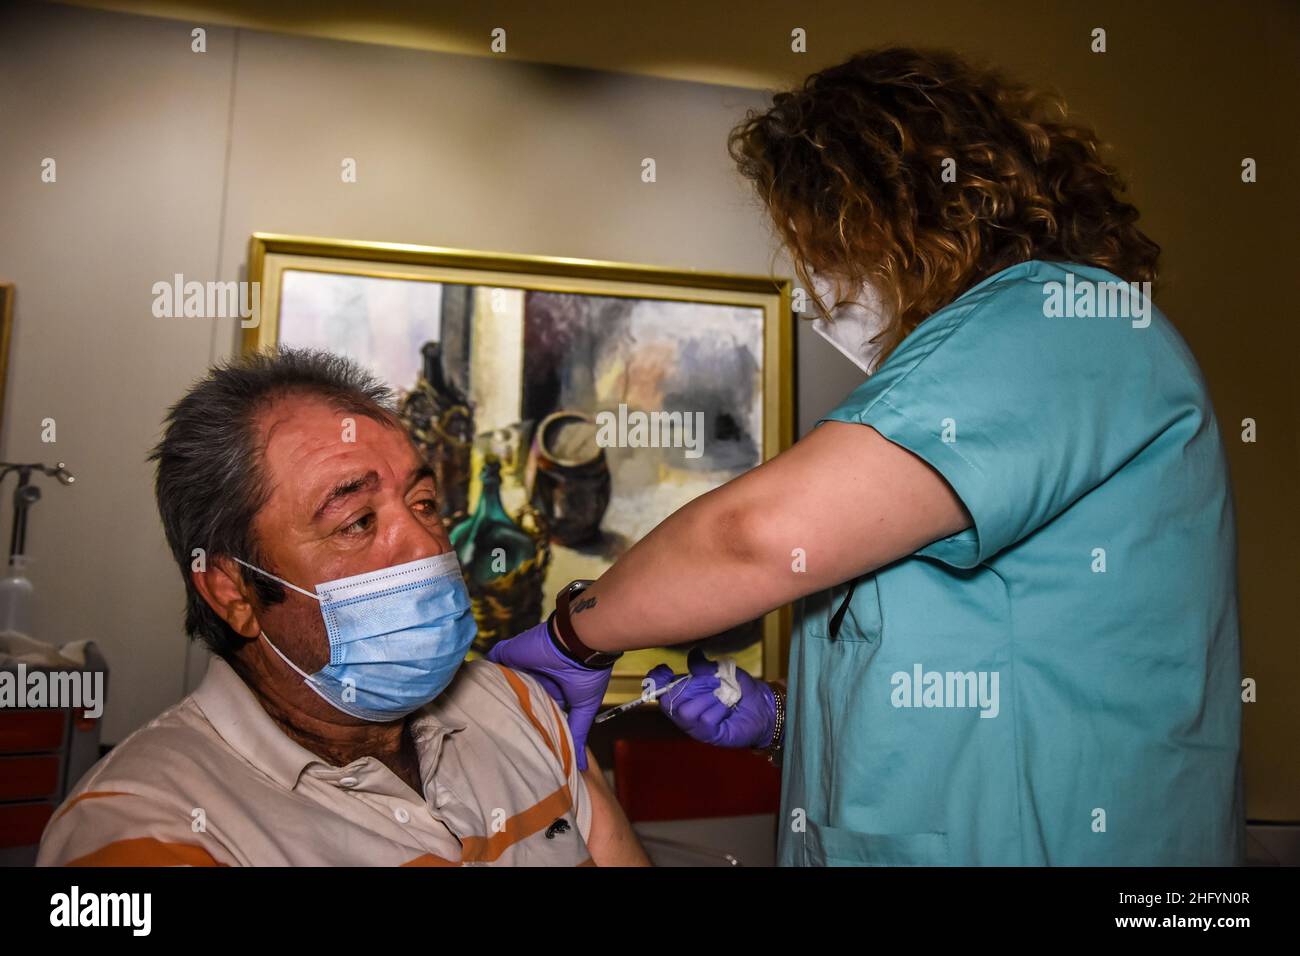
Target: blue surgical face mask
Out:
[397,636]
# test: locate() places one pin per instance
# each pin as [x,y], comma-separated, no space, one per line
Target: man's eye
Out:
[427,506]
[359,526]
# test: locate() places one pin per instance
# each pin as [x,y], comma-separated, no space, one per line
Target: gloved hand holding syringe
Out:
[717,702]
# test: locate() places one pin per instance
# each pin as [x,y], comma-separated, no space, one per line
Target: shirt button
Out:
[348,782]
[402,814]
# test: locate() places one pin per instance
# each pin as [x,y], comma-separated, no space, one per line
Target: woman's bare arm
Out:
[844,497]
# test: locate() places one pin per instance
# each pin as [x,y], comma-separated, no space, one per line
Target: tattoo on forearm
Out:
[582,606]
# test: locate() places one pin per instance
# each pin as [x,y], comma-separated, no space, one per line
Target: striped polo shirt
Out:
[213,781]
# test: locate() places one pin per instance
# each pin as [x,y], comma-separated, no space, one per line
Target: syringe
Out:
[648,693]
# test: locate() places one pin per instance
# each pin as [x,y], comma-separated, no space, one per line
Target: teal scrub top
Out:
[1059,684]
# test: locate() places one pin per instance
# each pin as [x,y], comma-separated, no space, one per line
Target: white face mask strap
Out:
[318,692]
[315,597]
[283,658]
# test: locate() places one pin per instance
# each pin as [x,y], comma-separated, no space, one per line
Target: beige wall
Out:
[521,157]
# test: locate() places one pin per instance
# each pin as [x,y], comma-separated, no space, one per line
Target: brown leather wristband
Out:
[560,626]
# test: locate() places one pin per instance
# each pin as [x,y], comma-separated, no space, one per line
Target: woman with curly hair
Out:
[1013,545]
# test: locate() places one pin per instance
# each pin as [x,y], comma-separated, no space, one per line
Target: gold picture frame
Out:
[271,256]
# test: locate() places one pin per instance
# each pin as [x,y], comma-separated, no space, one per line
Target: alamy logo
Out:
[651,430]
[52,688]
[75,908]
[179,299]
[1086,299]
[922,688]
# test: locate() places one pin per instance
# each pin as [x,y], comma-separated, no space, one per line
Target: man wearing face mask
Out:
[337,723]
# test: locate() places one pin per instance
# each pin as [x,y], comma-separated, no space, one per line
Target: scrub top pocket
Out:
[835,846]
[859,620]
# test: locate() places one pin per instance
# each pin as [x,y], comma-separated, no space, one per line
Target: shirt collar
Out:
[238,716]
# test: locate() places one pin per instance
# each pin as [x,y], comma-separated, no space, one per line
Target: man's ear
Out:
[224,589]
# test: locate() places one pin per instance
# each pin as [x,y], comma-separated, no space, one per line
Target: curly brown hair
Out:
[849,165]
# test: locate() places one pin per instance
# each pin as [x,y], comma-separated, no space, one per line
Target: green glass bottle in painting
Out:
[488,543]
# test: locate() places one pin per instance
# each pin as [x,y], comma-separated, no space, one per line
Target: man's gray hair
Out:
[210,481]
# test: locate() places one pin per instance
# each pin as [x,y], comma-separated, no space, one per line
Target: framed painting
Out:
[567,406]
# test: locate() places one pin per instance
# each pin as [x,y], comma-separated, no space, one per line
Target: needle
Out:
[647,695]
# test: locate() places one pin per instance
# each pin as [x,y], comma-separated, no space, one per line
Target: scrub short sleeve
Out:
[1020,412]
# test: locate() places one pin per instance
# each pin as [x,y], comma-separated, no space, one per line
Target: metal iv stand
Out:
[25,495]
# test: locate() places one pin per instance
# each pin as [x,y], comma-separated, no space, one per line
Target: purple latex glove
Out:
[692,706]
[578,689]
